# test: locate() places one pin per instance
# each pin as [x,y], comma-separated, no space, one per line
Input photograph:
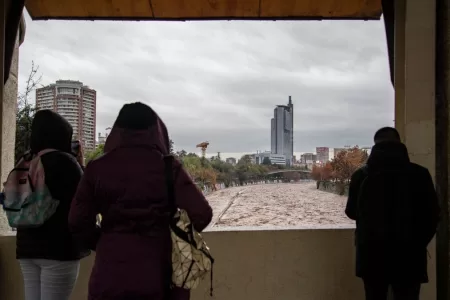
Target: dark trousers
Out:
[379,290]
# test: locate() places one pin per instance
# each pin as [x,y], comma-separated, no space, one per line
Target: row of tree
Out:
[341,168]
[209,172]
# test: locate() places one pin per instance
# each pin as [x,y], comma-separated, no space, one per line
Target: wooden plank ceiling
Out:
[203,9]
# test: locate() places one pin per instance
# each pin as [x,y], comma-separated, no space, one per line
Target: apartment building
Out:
[76,103]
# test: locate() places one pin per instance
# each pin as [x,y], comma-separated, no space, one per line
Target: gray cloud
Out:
[219,81]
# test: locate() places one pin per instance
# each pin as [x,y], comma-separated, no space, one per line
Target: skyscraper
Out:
[76,103]
[282,131]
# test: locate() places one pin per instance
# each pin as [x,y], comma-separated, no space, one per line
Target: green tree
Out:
[266,161]
[25,112]
[192,163]
[24,118]
[243,169]
[95,153]
[210,171]
[225,171]
[181,154]
[245,160]
[171,147]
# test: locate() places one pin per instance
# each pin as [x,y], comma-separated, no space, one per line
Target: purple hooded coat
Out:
[127,186]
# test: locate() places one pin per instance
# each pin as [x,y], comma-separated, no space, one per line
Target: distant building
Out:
[308,158]
[231,160]
[294,159]
[275,159]
[338,150]
[101,140]
[323,154]
[76,103]
[282,131]
[367,149]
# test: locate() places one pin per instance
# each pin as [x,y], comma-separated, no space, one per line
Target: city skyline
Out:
[75,102]
[218,82]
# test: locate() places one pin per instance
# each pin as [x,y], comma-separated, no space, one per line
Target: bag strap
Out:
[168,170]
[168,164]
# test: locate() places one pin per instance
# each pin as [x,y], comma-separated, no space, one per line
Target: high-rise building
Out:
[76,103]
[323,154]
[282,131]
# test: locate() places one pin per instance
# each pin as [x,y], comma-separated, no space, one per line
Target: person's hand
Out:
[80,157]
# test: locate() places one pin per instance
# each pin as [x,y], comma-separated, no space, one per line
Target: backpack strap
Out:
[45,151]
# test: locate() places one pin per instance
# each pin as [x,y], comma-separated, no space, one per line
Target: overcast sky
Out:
[220,81]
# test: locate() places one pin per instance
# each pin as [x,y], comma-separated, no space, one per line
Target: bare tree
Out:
[33,82]
[25,112]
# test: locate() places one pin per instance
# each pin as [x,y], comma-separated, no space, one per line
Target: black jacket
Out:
[62,175]
[410,265]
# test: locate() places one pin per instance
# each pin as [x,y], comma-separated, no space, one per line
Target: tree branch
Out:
[33,82]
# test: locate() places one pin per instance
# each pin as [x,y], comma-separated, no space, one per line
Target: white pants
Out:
[49,279]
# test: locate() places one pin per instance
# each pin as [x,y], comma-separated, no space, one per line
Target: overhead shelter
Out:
[204,9]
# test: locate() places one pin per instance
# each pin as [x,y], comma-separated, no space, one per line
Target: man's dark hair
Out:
[386,134]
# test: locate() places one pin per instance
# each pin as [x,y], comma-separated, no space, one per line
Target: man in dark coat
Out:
[395,206]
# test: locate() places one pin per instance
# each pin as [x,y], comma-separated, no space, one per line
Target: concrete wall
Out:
[251,264]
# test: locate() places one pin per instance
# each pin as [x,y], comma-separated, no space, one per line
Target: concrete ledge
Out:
[263,264]
[277,228]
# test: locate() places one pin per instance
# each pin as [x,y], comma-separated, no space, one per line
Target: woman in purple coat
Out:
[127,187]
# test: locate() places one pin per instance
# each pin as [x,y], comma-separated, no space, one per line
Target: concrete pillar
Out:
[3,222]
[399,75]
[443,145]
[420,81]
[8,123]
[399,61]
[415,90]
[8,109]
